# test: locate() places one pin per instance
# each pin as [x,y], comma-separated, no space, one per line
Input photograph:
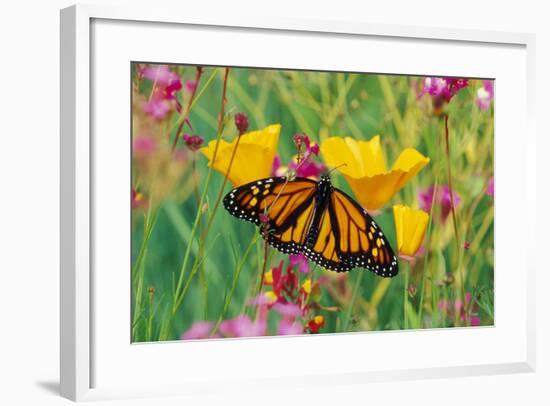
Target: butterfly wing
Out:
[343,236]
[361,242]
[289,206]
[322,245]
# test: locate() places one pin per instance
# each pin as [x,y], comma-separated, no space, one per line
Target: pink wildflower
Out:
[166,84]
[241,122]
[301,261]
[289,327]
[288,310]
[200,329]
[277,169]
[300,139]
[191,86]
[160,74]
[144,145]
[193,142]
[158,108]
[465,312]
[242,326]
[446,88]
[171,89]
[484,95]
[491,187]
[443,198]
[442,90]
[308,168]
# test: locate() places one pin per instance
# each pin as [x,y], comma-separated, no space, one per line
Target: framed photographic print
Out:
[222,210]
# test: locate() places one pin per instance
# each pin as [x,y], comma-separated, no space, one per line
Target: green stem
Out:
[147,234]
[185,115]
[459,248]
[450,181]
[138,269]
[203,279]
[429,240]
[229,297]
[220,193]
[194,270]
[354,294]
[150,318]
[196,98]
[391,105]
[178,297]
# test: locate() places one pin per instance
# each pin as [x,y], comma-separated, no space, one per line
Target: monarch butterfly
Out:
[315,219]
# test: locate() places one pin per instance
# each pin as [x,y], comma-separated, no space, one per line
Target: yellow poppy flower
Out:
[365,168]
[410,228]
[253,159]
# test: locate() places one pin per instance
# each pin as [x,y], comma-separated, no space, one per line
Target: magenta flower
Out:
[491,187]
[277,169]
[193,142]
[242,326]
[290,327]
[191,86]
[200,329]
[158,108]
[308,168]
[287,310]
[313,149]
[442,90]
[160,74]
[469,311]
[300,139]
[302,165]
[301,261]
[475,320]
[241,122]
[163,98]
[144,145]
[288,324]
[484,95]
[458,302]
[443,198]
[171,89]
[434,86]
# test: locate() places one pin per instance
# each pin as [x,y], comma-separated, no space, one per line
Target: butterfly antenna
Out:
[336,167]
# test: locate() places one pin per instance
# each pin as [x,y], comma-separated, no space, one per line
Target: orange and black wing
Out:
[322,245]
[289,206]
[360,241]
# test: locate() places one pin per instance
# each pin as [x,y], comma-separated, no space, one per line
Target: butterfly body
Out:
[315,219]
[322,195]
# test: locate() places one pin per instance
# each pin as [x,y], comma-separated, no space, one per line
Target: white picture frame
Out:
[78,351]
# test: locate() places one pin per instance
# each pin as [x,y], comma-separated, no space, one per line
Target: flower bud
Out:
[241,122]
[193,142]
